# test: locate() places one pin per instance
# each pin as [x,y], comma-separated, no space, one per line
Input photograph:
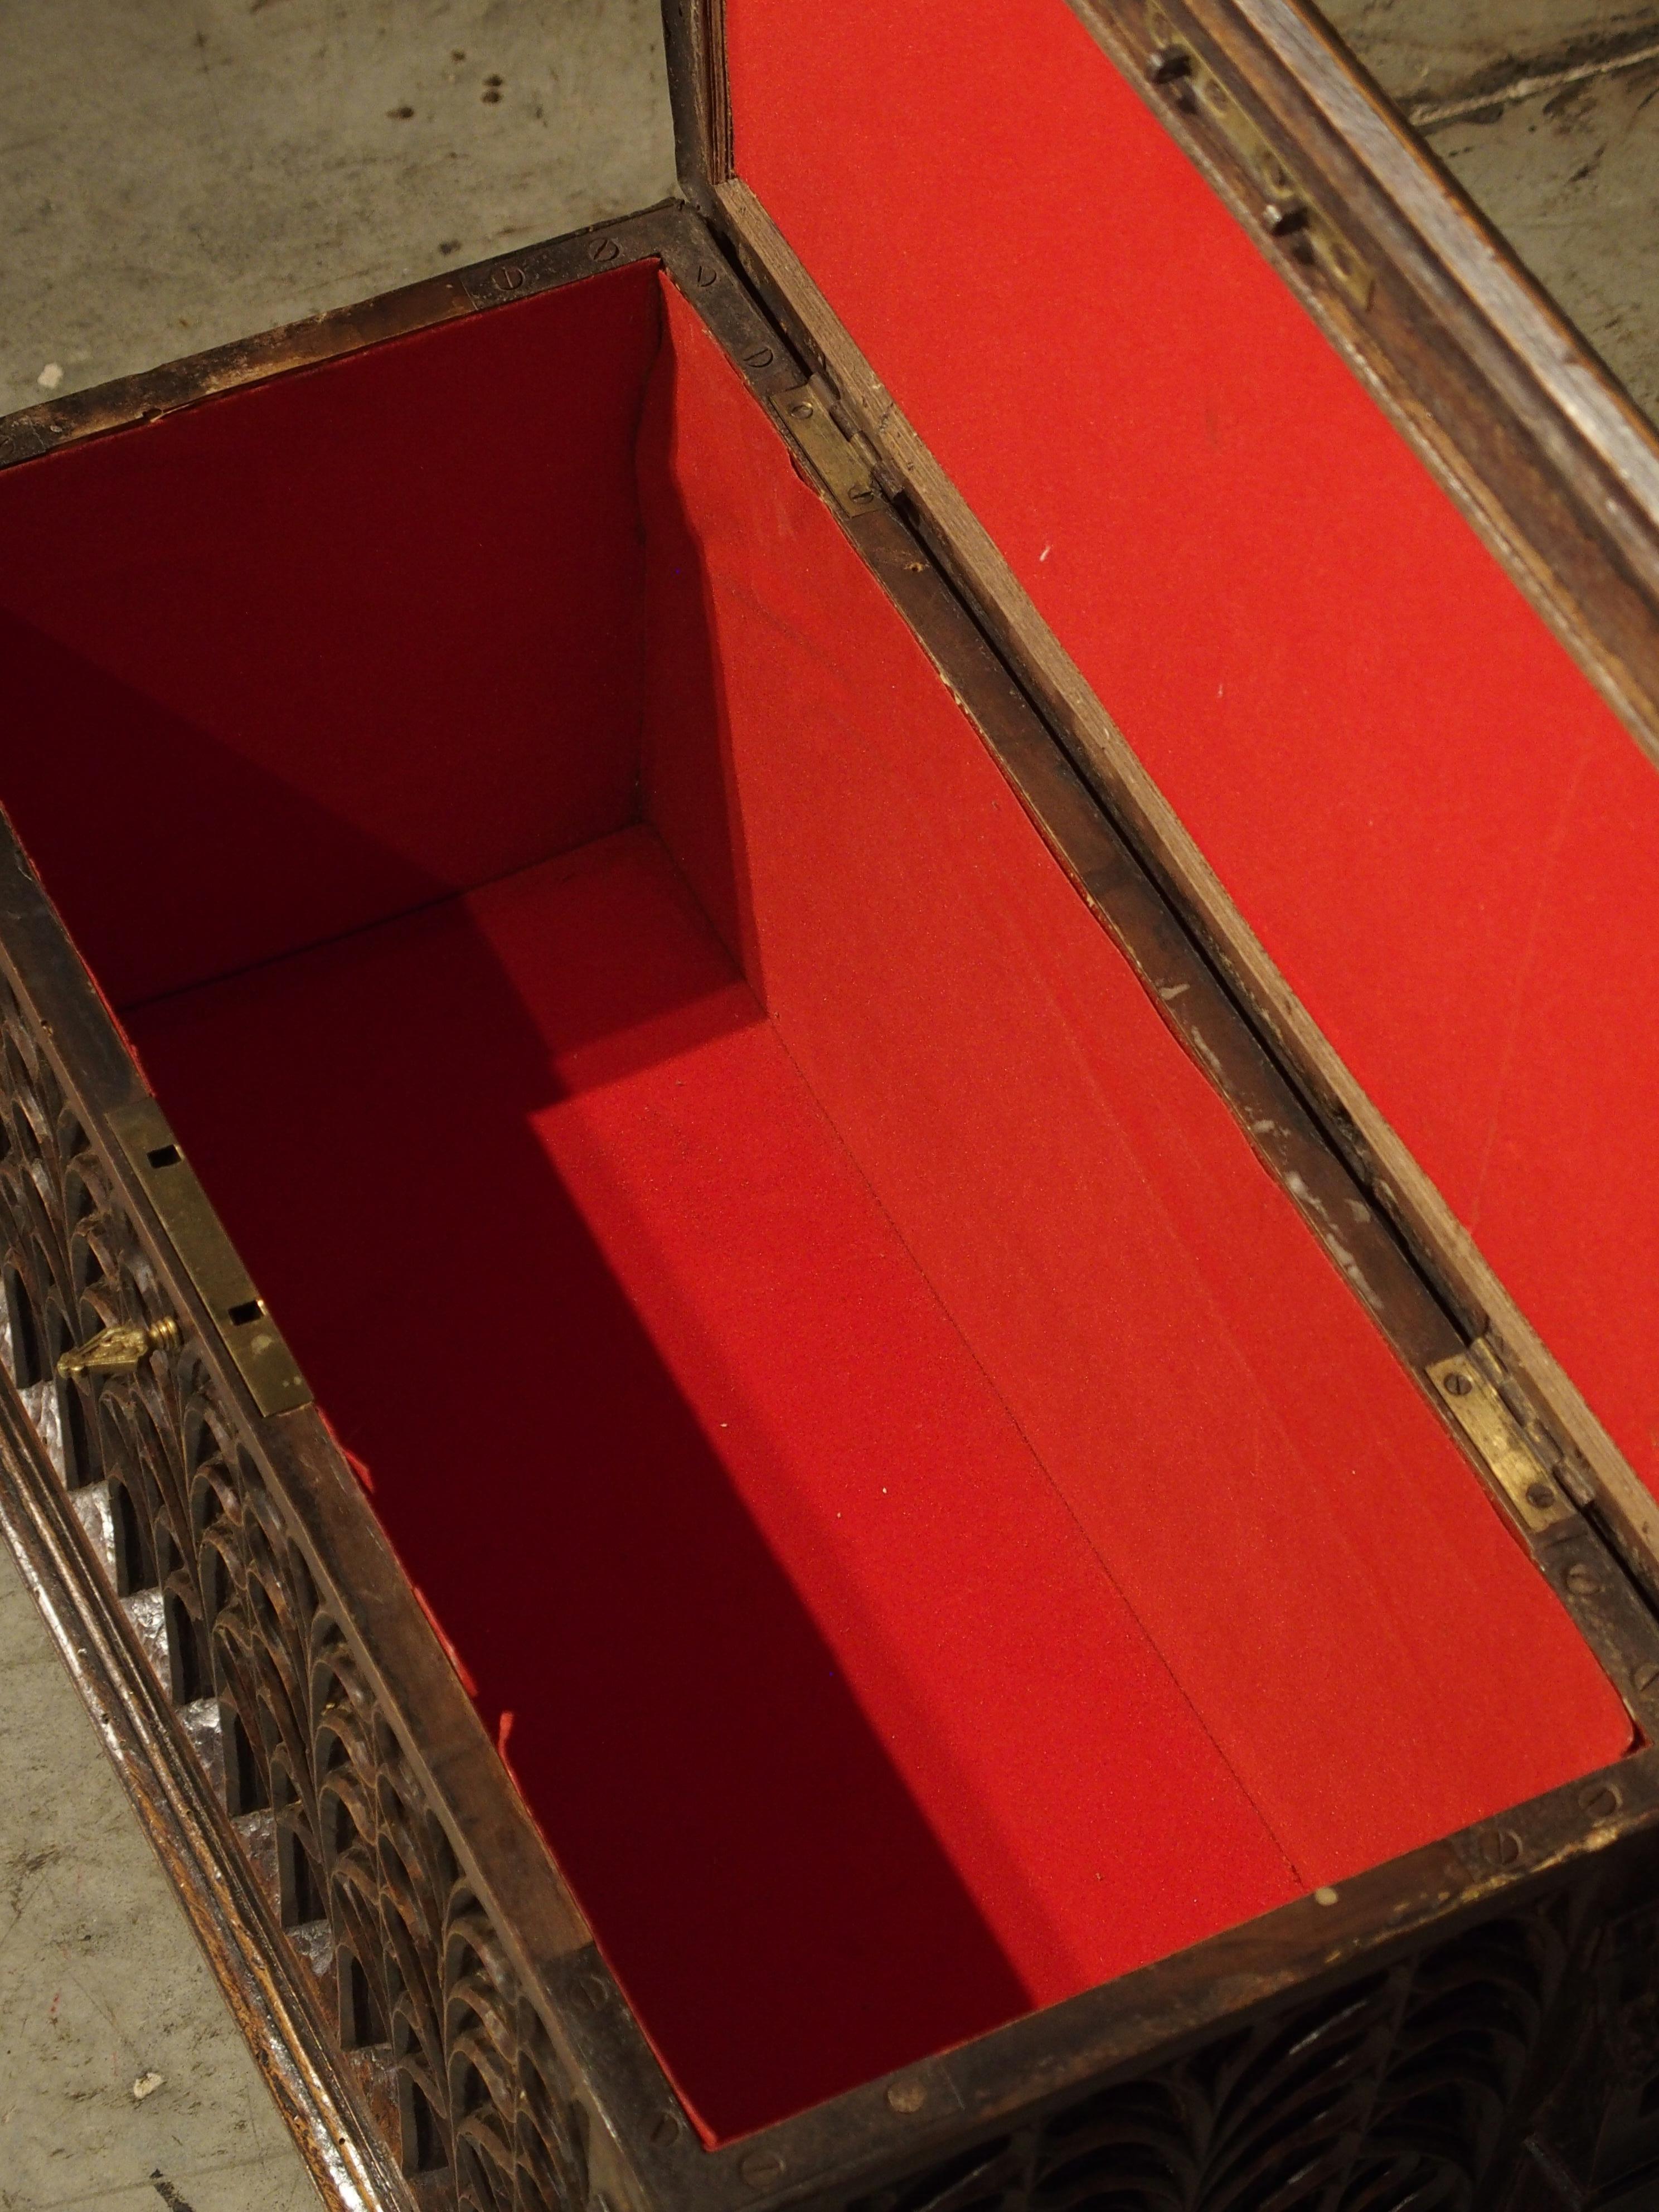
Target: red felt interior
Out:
[338,643]
[1442,836]
[703,1483]
[1144,1299]
[943,1532]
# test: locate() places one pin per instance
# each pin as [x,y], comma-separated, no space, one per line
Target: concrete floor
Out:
[218,167]
[124,2085]
[175,173]
[1427,51]
[1545,112]
[1571,174]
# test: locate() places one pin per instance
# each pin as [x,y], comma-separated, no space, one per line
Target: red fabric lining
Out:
[836,1791]
[1442,836]
[748,1546]
[1149,1306]
[285,631]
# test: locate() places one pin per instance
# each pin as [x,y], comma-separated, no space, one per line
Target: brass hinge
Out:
[1286,211]
[209,1259]
[1534,1493]
[844,472]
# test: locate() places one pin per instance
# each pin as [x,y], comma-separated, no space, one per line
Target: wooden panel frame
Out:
[296,1741]
[1517,419]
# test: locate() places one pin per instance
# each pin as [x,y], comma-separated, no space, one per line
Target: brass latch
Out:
[119,1349]
[805,412]
[1534,1494]
[1286,211]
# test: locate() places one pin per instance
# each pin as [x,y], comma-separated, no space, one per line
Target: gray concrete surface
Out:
[1434,49]
[1571,176]
[1545,113]
[175,173]
[124,2086]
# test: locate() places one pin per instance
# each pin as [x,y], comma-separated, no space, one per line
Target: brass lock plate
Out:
[209,1259]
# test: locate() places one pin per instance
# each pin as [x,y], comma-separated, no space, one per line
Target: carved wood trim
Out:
[432,2078]
[1386,2059]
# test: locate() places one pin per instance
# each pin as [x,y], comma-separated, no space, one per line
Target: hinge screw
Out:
[1165,63]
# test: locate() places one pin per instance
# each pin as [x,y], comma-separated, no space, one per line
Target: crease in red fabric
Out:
[285,631]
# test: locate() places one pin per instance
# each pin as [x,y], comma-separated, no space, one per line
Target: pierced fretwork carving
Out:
[1389,2096]
[449,2054]
[1407,2090]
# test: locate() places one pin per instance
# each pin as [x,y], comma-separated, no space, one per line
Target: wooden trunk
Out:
[910,1581]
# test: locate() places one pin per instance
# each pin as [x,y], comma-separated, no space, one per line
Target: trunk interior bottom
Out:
[747,1562]
[929,1526]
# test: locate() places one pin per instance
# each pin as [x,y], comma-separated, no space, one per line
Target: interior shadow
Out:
[772,1897]
[405,584]
[686,775]
[172,859]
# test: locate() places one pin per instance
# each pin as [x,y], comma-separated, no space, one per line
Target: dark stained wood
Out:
[37,431]
[694,37]
[188,1828]
[494,2006]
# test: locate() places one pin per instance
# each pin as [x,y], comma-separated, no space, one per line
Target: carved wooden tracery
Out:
[1405,2090]
[369,1888]
[1392,2095]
